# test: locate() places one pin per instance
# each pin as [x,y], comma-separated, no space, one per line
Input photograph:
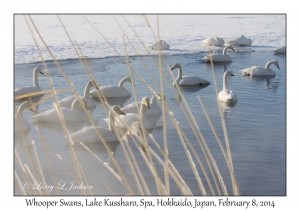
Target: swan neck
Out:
[179,77]
[75,104]
[225,84]
[225,50]
[143,111]
[87,89]
[21,109]
[121,84]
[35,78]
[111,120]
[268,65]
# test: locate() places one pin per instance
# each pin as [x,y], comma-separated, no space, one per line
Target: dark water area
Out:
[256,125]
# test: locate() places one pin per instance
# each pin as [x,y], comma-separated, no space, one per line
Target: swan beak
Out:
[233,50]
[278,67]
[41,72]
[147,104]
[121,112]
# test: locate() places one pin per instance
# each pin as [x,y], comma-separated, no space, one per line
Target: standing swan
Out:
[69,115]
[112,91]
[262,71]
[90,135]
[130,118]
[219,57]
[227,95]
[30,89]
[188,80]
[67,102]
[24,125]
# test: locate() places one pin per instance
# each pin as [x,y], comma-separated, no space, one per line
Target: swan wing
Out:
[192,80]
[51,115]
[110,91]
[25,90]
[217,57]
[255,70]
[130,108]
[89,135]
[227,96]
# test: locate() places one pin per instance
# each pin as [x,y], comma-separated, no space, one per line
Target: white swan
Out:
[154,108]
[214,41]
[89,134]
[69,115]
[219,57]
[112,91]
[163,45]
[23,124]
[280,50]
[30,89]
[130,118]
[188,80]
[259,70]
[227,95]
[67,102]
[241,41]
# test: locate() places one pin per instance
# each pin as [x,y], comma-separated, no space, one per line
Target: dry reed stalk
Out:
[21,187]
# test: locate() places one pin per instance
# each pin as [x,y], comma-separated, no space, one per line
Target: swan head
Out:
[117,109]
[228,73]
[276,64]
[145,101]
[176,66]
[94,84]
[38,70]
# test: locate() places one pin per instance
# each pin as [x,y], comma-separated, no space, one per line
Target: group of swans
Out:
[216,41]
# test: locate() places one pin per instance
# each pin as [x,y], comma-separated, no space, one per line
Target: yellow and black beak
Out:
[121,112]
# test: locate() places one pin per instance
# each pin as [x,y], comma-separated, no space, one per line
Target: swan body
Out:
[187,80]
[89,134]
[69,115]
[163,45]
[227,95]
[154,108]
[25,125]
[259,70]
[241,41]
[30,89]
[130,118]
[214,41]
[67,102]
[219,57]
[112,91]
[280,50]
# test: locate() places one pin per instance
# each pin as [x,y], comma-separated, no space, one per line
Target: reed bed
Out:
[134,142]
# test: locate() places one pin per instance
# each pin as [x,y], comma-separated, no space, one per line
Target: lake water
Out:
[256,125]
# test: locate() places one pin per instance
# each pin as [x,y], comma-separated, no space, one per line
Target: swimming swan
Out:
[280,50]
[90,135]
[67,102]
[188,80]
[214,41]
[25,125]
[259,70]
[153,110]
[227,95]
[163,45]
[69,115]
[112,91]
[241,41]
[130,118]
[30,89]
[219,57]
